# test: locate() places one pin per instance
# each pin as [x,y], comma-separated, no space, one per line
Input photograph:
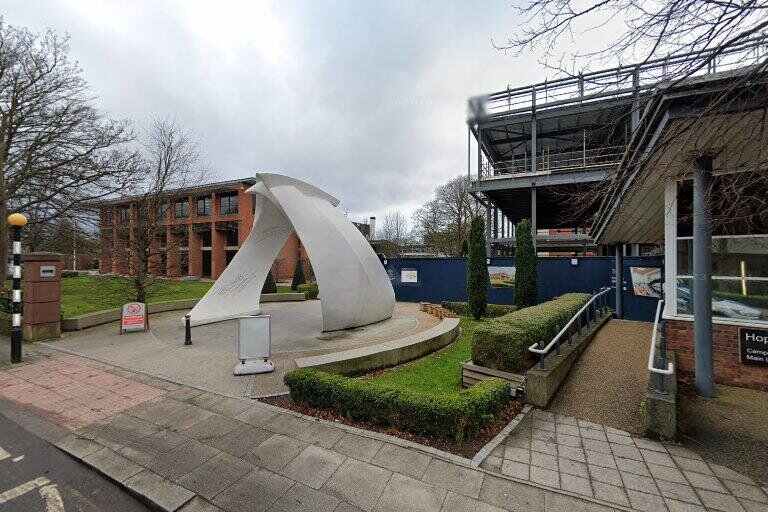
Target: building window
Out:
[232,237]
[162,211]
[739,276]
[204,206]
[228,203]
[107,215]
[125,215]
[181,209]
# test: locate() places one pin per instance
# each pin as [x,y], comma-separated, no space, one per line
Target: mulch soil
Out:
[467,448]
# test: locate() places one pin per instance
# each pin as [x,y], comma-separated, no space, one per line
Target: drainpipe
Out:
[702,276]
[619,280]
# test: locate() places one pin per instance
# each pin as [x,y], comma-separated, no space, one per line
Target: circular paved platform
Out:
[207,364]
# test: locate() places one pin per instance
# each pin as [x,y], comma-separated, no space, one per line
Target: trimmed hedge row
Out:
[502,343]
[491,310]
[310,290]
[455,415]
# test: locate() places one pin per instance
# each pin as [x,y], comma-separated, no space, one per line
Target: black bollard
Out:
[187,331]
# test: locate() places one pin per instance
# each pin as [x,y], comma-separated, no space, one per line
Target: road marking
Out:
[4,454]
[17,459]
[50,494]
[23,489]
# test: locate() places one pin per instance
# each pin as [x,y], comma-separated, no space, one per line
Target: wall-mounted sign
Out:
[502,277]
[409,276]
[134,317]
[47,271]
[646,281]
[753,346]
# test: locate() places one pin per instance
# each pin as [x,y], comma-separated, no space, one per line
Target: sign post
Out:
[134,318]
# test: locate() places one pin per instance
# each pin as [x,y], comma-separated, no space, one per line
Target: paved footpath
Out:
[189,450]
[598,461]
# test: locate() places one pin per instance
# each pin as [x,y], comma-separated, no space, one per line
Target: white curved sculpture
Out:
[355,289]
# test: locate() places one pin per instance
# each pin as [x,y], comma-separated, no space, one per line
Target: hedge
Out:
[502,343]
[454,415]
[310,290]
[491,310]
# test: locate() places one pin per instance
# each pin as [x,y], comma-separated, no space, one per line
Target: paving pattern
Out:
[296,332]
[593,460]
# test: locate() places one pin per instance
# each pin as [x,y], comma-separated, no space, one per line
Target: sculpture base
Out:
[254,366]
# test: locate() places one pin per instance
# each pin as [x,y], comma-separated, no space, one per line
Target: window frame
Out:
[229,196]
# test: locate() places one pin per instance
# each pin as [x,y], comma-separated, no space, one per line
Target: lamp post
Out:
[16,221]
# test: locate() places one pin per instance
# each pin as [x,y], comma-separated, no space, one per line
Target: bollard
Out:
[17,221]
[187,330]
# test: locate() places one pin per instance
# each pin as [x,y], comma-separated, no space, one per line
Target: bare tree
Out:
[394,228]
[443,222]
[57,151]
[689,37]
[168,159]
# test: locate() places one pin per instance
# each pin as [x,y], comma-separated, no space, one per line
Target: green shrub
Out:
[269,285]
[453,415]
[491,310]
[526,274]
[298,276]
[503,342]
[310,290]
[477,269]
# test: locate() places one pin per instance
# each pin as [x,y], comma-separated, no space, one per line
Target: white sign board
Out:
[134,317]
[253,337]
[409,275]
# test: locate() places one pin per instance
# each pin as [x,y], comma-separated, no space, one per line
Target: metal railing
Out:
[660,373]
[551,162]
[593,310]
[620,81]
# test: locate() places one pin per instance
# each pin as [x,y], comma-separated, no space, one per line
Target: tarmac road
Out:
[36,476]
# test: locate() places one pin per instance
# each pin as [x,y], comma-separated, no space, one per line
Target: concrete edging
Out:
[383,355]
[106,316]
[486,450]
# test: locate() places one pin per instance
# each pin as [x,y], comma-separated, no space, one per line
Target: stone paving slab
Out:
[194,451]
[597,461]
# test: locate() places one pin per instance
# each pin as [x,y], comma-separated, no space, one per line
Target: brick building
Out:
[204,228]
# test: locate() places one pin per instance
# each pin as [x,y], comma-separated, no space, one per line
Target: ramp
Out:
[608,383]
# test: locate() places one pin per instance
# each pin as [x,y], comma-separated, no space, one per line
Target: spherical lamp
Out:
[17,220]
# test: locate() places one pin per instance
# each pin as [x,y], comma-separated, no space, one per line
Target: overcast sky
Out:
[365,100]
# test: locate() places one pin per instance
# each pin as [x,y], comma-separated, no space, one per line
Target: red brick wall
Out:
[725,356]
[285,263]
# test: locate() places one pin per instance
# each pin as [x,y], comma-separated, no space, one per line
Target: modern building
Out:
[203,228]
[659,154]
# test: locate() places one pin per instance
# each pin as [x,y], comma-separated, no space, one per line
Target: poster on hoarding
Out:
[502,277]
[646,281]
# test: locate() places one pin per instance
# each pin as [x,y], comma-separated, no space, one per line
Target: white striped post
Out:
[16,221]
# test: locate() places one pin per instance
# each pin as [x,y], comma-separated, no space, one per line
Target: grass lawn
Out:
[439,372]
[86,294]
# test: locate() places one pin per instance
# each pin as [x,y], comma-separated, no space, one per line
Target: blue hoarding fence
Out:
[444,279]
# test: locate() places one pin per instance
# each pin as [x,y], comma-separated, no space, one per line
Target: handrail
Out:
[652,352]
[544,351]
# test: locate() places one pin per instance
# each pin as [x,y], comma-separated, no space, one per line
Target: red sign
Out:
[134,317]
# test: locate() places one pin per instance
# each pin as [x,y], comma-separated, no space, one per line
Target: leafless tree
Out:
[168,159]
[443,222]
[690,37]
[394,228]
[57,151]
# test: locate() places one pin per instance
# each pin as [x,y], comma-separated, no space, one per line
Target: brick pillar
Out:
[120,252]
[172,251]
[153,265]
[218,251]
[245,211]
[195,253]
[42,296]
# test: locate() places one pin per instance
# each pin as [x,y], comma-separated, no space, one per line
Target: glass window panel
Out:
[731,257]
[729,299]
